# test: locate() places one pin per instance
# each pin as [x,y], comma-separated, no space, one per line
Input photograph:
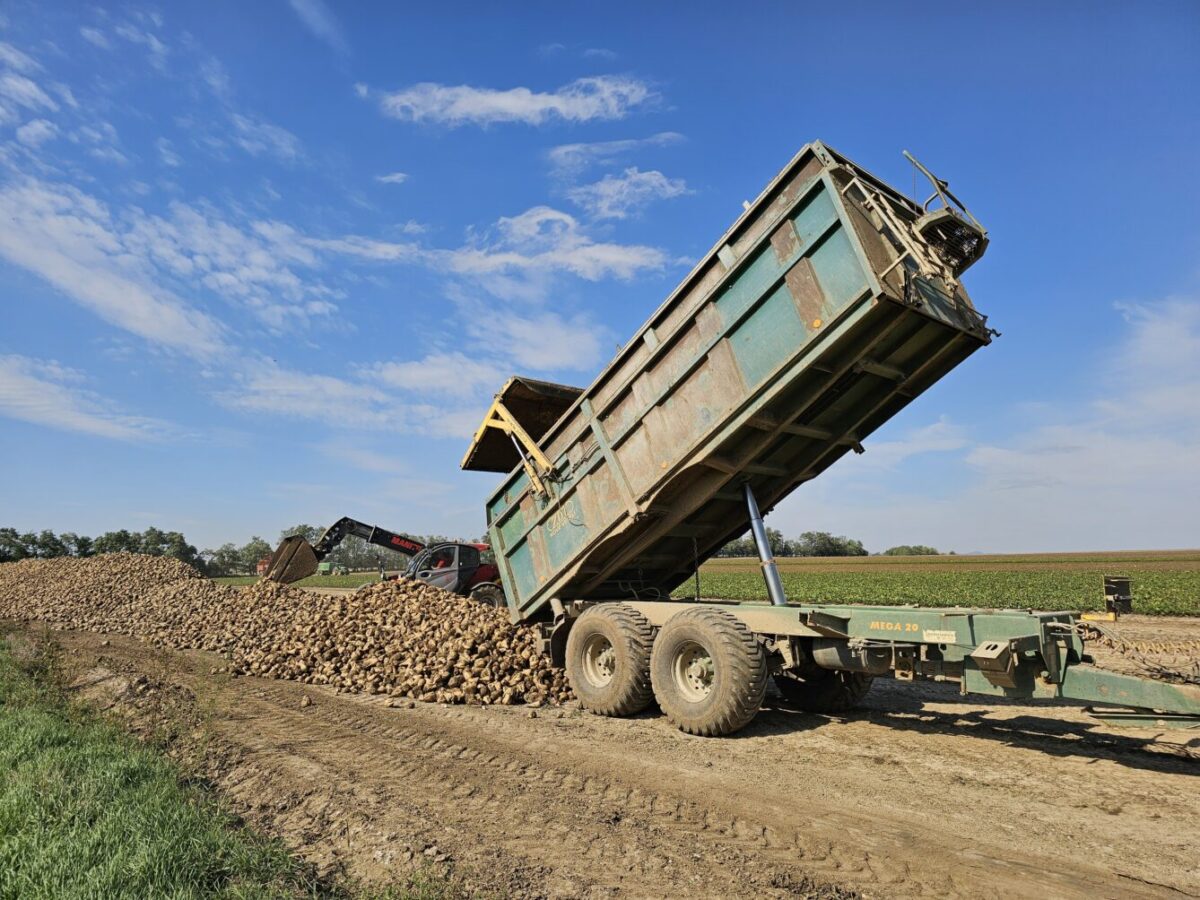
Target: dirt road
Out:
[921,793]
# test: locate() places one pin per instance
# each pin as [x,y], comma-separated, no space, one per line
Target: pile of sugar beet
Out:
[396,638]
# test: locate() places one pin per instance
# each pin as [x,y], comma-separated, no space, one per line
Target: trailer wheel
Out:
[709,672]
[823,690]
[489,594]
[608,660]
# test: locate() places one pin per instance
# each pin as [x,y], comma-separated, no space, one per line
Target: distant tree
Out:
[910,550]
[77,544]
[253,550]
[226,560]
[822,543]
[50,546]
[121,541]
[309,532]
[13,546]
[176,545]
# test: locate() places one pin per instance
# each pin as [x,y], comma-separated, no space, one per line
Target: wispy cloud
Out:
[454,374]
[45,393]
[1110,467]
[156,49]
[539,241]
[599,53]
[617,196]
[71,240]
[570,158]
[587,99]
[392,178]
[547,240]
[16,59]
[543,341]
[21,91]
[36,132]
[166,153]
[267,388]
[95,37]
[318,19]
[261,138]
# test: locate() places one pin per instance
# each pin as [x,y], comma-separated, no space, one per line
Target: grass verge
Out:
[87,811]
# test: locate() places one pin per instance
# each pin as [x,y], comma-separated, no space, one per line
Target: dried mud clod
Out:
[397,638]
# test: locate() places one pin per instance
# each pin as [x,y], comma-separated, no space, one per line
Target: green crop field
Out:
[1164,582]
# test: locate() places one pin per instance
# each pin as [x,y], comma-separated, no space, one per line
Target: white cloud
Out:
[616,196]
[36,132]
[72,241]
[45,393]
[393,178]
[320,21]
[108,154]
[21,91]
[215,76]
[1113,468]
[575,157]
[942,436]
[539,242]
[546,240]
[341,403]
[439,373]
[584,100]
[599,53]
[368,248]
[166,153]
[15,59]
[260,138]
[254,267]
[156,48]
[95,37]
[543,341]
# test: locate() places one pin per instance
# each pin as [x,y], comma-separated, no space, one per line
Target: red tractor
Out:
[455,567]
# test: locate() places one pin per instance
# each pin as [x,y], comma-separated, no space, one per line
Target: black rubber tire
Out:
[627,692]
[489,594]
[823,690]
[739,672]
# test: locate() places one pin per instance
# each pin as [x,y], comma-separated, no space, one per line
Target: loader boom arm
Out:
[372,534]
[296,558]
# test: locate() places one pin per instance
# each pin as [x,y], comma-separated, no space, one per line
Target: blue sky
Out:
[263,263]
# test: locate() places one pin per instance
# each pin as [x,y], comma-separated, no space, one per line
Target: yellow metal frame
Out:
[534,461]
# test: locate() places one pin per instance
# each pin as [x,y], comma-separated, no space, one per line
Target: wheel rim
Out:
[599,660]
[693,672]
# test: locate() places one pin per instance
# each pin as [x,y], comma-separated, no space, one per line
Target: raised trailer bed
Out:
[830,304]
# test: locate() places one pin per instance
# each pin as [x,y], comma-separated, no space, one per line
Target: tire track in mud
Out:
[865,854]
[616,827]
[585,806]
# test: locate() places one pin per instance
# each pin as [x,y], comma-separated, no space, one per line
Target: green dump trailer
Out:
[829,305]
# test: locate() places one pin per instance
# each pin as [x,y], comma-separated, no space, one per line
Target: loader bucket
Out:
[292,560]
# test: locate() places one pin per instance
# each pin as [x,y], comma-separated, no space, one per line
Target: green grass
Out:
[353,580]
[1163,583]
[88,812]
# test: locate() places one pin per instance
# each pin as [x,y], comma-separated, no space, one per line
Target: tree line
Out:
[816,543]
[353,553]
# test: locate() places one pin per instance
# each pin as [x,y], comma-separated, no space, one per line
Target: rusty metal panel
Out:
[810,323]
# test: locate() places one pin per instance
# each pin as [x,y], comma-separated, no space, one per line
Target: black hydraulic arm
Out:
[372,534]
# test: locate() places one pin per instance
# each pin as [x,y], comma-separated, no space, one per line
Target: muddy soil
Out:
[920,793]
